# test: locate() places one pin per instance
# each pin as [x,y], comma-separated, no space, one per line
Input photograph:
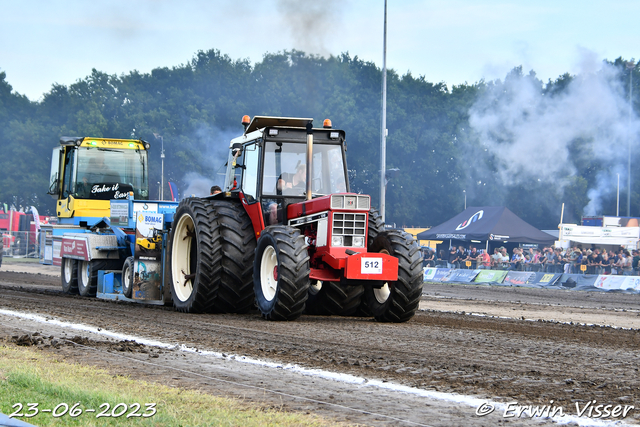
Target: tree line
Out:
[194,109]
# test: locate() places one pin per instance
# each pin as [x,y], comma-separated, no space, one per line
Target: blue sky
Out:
[454,41]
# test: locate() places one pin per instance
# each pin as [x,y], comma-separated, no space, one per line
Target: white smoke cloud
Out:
[197,185]
[212,151]
[530,133]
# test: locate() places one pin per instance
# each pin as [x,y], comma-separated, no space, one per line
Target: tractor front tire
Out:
[238,244]
[396,301]
[194,253]
[281,273]
[69,276]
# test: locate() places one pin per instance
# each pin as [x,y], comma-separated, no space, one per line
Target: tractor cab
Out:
[86,173]
[268,165]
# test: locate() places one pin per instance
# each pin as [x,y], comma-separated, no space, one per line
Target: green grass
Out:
[19,260]
[32,376]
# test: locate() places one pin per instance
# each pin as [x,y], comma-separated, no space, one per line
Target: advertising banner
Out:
[494,276]
[463,276]
[74,248]
[428,274]
[547,279]
[120,213]
[578,281]
[147,277]
[519,278]
[618,282]
[436,274]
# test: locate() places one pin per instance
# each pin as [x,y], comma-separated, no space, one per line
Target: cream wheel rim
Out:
[315,287]
[181,257]
[382,294]
[269,273]
[68,269]
[84,267]
[126,280]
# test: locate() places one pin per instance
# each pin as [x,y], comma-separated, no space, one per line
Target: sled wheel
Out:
[69,276]
[88,274]
[396,301]
[127,277]
[281,273]
[84,279]
[194,253]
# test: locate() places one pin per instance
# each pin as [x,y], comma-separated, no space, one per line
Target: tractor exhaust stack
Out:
[309,158]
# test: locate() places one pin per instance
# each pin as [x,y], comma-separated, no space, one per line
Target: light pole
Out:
[465,199]
[161,138]
[383,139]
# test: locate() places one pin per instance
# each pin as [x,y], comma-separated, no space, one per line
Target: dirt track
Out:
[502,359]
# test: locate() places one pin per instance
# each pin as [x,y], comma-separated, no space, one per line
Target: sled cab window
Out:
[106,173]
[69,166]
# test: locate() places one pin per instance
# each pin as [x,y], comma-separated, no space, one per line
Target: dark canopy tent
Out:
[488,223]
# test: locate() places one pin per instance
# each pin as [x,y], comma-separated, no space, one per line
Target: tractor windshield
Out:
[285,169]
[104,173]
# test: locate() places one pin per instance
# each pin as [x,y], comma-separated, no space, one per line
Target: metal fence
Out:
[20,244]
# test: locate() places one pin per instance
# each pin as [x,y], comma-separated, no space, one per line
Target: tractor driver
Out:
[295,182]
[97,172]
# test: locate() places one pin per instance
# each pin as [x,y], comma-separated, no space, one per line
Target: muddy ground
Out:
[530,346]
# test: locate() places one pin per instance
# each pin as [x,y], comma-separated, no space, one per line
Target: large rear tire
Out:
[194,253]
[281,273]
[238,244]
[397,301]
[69,276]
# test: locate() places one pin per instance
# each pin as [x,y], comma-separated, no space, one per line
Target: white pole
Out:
[162,170]
[560,225]
[618,198]
[383,139]
[630,67]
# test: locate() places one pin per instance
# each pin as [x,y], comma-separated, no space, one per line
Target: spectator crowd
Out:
[574,260]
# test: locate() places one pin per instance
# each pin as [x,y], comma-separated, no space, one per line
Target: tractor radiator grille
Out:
[350,201]
[349,225]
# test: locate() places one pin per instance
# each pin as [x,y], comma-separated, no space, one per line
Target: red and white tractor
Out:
[287,235]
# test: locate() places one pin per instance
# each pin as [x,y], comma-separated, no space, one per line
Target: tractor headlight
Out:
[358,241]
[337,241]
